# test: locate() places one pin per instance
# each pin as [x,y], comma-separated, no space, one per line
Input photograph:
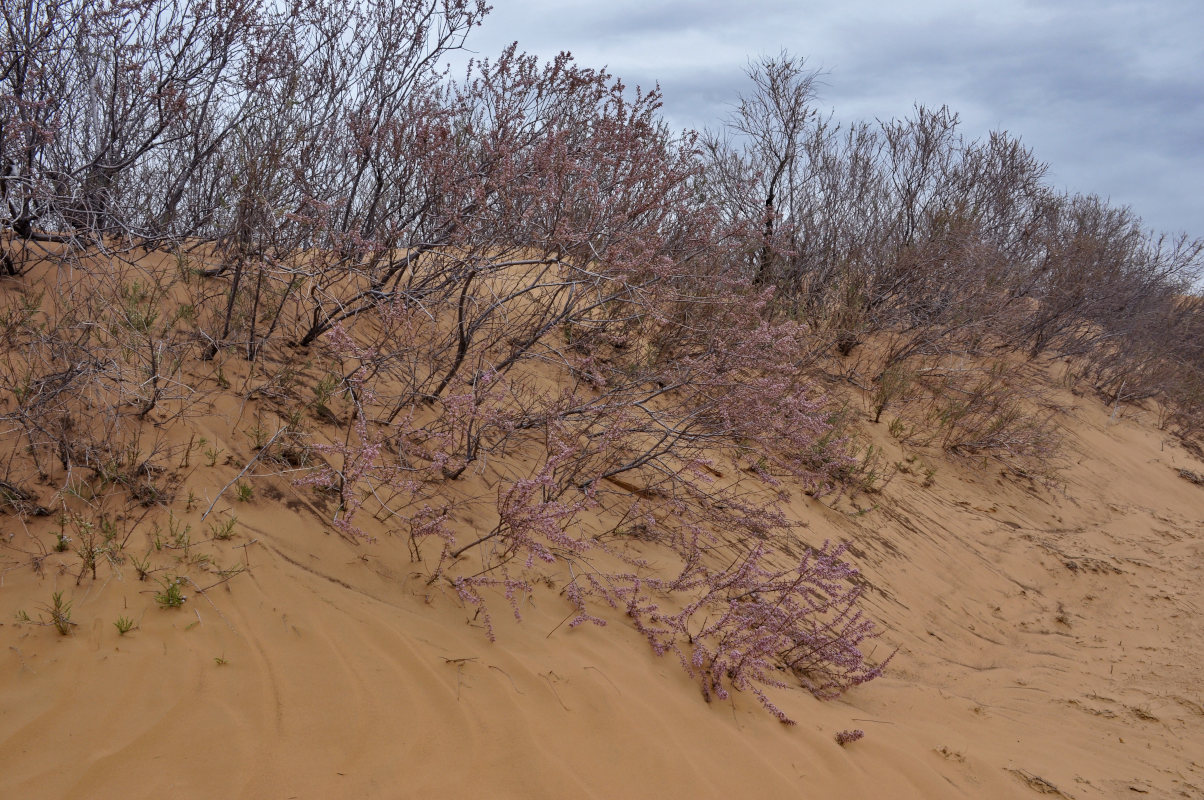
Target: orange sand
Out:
[1050,642]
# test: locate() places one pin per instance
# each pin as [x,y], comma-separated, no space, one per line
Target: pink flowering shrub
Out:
[848,737]
[748,620]
[634,439]
[525,264]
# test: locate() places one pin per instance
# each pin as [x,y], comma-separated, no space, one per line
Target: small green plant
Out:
[63,544]
[23,616]
[184,266]
[212,453]
[142,566]
[139,306]
[178,532]
[177,537]
[60,613]
[220,661]
[31,302]
[170,594]
[186,459]
[223,530]
[323,391]
[87,552]
[873,474]
[245,492]
[156,536]
[230,572]
[108,530]
[191,502]
[286,378]
[185,313]
[259,436]
[124,625]
[892,386]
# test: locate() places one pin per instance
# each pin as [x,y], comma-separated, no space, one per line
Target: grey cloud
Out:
[1110,92]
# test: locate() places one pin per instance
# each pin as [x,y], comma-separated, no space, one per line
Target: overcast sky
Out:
[1109,92]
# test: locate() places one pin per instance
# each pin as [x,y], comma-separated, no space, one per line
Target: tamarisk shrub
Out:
[734,615]
[444,246]
[361,460]
[534,525]
[742,608]
[94,344]
[848,737]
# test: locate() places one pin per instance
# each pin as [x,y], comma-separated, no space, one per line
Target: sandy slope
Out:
[1050,642]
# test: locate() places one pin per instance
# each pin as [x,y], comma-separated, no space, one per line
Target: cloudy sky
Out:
[1109,92]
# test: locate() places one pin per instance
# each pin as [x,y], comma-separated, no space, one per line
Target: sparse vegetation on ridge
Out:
[412,278]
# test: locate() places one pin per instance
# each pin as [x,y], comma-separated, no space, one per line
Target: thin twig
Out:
[237,477]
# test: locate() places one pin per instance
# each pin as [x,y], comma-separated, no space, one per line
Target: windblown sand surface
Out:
[1050,641]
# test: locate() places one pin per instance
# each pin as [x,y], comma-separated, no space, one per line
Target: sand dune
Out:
[1049,642]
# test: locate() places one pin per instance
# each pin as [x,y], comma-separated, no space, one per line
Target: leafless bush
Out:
[935,247]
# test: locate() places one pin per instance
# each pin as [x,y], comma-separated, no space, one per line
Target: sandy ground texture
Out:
[1049,637]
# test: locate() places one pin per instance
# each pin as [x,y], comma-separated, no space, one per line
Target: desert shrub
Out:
[985,412]
[306,185]
[927,246]
[742,622]
[739,611]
